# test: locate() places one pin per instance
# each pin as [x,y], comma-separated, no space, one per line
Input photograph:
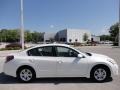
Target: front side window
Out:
[41,51]
[65,52]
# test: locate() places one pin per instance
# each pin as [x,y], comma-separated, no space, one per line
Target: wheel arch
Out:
[101,65]
[23,66]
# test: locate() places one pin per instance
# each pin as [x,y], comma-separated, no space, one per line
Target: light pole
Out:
[22,26]
[119,26]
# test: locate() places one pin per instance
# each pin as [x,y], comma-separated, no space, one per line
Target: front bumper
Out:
[115,70]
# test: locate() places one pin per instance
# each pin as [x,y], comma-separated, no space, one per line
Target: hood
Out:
[98,57]
[101,57]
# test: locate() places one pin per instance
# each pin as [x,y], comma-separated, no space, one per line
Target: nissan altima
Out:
[59,60]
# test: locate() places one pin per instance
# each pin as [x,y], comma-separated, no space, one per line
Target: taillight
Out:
[9,58]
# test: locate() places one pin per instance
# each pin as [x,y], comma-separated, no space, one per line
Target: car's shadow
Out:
[4,79]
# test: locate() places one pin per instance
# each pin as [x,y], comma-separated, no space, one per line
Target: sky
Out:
[54,15]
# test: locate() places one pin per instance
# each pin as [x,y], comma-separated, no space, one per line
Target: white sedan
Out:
[59,60]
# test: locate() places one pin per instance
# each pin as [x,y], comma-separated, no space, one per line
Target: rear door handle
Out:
[31,60]
[60,62]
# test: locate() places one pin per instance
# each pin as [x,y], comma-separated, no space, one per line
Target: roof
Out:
[53,44]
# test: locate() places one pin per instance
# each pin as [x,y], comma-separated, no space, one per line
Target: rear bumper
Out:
[9,69]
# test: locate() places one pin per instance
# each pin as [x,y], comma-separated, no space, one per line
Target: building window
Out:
[60,39]
[63,39]
[76,40]
[70,40]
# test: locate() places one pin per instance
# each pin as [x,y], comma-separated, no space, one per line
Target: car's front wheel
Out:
[100,74]
[25,74]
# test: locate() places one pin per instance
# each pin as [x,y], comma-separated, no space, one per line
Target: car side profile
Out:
[59,60]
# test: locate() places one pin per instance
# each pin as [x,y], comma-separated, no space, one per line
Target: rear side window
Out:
[41,51]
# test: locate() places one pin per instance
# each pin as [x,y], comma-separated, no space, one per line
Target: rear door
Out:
[44,61]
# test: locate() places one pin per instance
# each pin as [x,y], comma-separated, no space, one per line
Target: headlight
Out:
[111,61]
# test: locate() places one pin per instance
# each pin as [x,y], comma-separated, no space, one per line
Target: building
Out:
[95,38]
[73,35]
[68,36]
[49,36]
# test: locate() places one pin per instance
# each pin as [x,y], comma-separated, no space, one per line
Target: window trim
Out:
[55,47]
[53,51]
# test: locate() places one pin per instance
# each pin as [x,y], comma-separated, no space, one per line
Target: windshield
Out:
[86,53]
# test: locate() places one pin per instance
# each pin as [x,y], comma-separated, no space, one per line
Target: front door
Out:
[68,64]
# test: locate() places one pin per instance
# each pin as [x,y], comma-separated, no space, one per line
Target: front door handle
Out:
[31,60]
[60,62]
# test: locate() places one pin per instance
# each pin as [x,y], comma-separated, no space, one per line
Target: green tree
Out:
[3,34]
[9,35]
[13,35]
[114,29]
[37,37]
[28,36]
[105,37]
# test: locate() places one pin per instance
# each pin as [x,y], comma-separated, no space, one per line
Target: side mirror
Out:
[80,56]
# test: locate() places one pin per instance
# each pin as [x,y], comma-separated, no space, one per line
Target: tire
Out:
[26,74]
[100,73]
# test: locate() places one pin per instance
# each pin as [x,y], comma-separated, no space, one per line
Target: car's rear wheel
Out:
[100,74]
[26,74]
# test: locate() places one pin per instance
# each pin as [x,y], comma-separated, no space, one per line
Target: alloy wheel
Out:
[100,74]
[26,75]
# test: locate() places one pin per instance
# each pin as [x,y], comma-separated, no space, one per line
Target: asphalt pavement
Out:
[10,83]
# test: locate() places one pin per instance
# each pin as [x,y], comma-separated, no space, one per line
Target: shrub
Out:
[14,45]
[77,44]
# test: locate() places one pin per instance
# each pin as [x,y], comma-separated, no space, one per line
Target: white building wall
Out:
[78,34]
[68,34]
[96,38]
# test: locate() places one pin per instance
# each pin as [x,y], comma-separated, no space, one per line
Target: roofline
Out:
[53,44]
[75,29]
